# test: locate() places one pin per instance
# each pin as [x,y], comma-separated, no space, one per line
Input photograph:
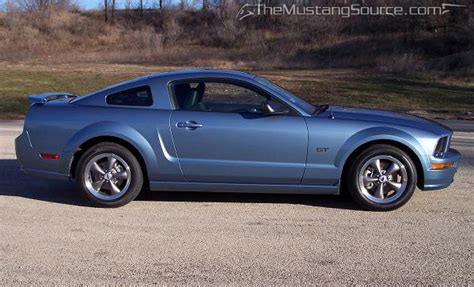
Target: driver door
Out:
[221,135]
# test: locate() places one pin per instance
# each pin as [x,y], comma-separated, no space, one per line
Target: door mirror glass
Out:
[271,107]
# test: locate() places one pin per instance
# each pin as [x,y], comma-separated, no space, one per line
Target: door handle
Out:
[189,125]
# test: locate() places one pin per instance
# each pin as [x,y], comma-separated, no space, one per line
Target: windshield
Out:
[295,100]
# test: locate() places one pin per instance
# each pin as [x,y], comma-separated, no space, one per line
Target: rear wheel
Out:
[109,175]
[381,178]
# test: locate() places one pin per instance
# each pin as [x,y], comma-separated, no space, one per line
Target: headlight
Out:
[442,147]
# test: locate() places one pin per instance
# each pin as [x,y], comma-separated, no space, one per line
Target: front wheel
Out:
[382,178]
[109,175]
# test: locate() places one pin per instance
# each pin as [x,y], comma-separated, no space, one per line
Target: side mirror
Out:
[271,107]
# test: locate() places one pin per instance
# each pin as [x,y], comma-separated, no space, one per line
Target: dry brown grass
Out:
[193,38]
[72,37]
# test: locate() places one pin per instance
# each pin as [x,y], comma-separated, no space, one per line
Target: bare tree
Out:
[35,5]
[44,5]
[182,4]
[10,6]
[106,10]
[112,12]
[127,4]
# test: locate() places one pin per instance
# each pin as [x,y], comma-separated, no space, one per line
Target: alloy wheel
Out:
[383,179]
[107,176]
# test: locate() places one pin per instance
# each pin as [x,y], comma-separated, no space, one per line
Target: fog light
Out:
[442,165]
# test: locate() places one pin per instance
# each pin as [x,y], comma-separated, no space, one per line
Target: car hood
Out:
[387,117]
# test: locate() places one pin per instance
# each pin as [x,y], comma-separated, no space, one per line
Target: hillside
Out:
[209,38]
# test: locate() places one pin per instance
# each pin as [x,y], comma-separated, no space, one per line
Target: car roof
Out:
[176,75]
[203,72]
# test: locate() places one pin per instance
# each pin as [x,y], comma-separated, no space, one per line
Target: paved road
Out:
[48,235]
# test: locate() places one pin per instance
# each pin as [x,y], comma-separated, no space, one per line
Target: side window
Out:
[217,97]
[138,97]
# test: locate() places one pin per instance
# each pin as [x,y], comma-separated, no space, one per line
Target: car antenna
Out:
[331,114]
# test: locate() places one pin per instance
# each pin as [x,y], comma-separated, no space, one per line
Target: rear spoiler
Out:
[42,99]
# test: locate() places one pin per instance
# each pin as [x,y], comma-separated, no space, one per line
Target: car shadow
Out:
[15,183]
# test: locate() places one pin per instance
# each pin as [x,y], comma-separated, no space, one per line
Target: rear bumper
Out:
[31,163]
[23,149]
[442,178]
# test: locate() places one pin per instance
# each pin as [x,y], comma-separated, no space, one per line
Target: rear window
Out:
[138,97]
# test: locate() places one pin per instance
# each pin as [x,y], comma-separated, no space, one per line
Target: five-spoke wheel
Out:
[109,174]
[383,177]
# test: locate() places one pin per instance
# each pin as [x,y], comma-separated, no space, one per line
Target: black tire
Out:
[359,192]
[135,180]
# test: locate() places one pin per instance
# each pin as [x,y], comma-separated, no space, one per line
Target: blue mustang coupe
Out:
[229,131]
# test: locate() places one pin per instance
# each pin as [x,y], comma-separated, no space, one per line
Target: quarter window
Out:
[138,97]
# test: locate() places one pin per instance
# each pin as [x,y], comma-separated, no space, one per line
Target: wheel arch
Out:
[408,150]
[110,132]
[100,139]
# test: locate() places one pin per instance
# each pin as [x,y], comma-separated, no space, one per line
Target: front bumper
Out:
[442,178]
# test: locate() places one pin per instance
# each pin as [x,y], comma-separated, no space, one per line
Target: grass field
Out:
[428,95]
